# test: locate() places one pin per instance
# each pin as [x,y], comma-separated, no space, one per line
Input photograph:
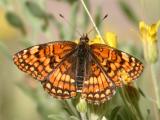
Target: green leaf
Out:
[148,114]
[128,11]
[119,118]
[35,9]
[45,24]
[4,2]
[4,50]
[56,117]
[38,12]
[132,94]
[114,113]
[125,114]
[15,21]
[141,92]
[74,118]
[131,103]
[68,1]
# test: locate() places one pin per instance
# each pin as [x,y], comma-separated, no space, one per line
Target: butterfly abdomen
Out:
[81,65]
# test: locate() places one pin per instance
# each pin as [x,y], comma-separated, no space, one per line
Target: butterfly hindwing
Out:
[40,60]
[120,67]
[97,87]
[61,81]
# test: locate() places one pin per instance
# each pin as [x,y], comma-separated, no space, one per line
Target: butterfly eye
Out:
[84,38]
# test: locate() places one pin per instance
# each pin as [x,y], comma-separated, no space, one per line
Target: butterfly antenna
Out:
[100,23]
[69,23]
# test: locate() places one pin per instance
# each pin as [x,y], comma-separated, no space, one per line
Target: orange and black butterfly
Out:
[65,68]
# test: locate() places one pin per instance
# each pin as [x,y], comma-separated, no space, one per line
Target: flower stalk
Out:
[87,11]
[150,44]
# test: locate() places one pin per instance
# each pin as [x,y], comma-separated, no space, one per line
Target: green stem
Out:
[83,116]
[131,107]
[155,84]
[138,111]
[86,9]
[94,116]
[145,50]
[89,112]
[73,109]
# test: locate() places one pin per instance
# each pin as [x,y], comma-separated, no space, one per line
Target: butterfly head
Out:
[84,38]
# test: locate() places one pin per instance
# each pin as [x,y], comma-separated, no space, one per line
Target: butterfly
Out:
[65,68]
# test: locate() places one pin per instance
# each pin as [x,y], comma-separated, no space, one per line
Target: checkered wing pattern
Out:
[39,60]
[119,66]
[61,81]
[97,87]
[50,63]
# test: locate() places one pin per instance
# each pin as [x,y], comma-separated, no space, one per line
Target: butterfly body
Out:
[65,68]
[81,62]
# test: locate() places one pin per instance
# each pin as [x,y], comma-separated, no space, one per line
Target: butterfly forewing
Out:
[97,87]
[120,67]
[61,81]
[40,60]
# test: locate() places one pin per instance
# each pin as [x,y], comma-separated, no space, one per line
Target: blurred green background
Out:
[29,22]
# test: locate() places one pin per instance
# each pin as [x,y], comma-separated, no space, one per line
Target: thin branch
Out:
[155,86]
[87,11]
